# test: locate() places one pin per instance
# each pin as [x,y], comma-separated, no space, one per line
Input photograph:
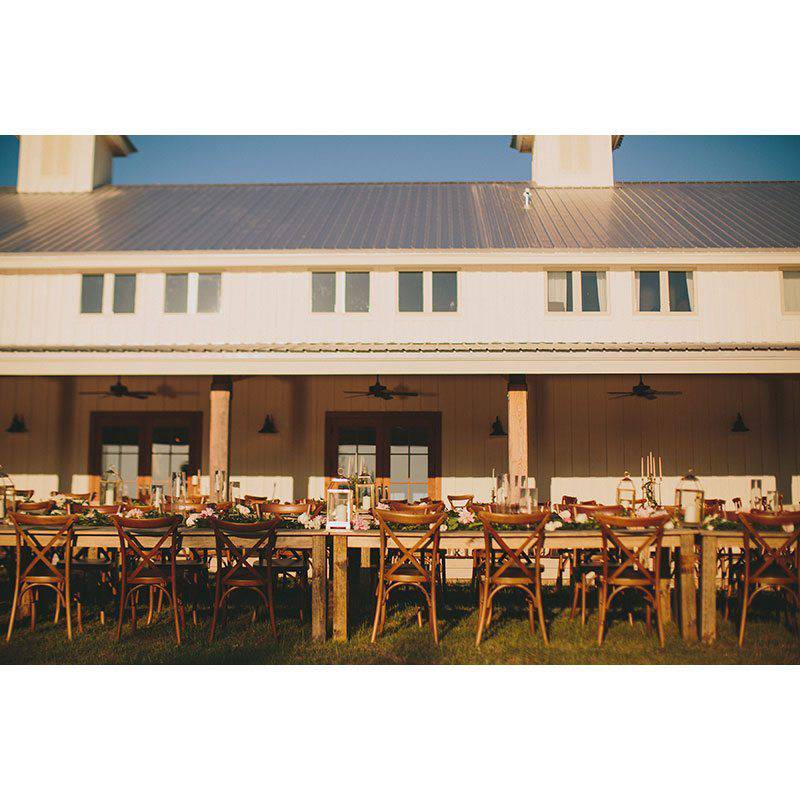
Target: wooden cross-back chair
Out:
[585,562]
[459,501]
[236,544]
[627,543]
[23,494]
[290,563]
[402,565]
[77,497]
[771,559]
[143,542]
[38,540]
[515,566]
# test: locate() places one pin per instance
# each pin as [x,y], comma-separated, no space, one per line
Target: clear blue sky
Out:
[243,159]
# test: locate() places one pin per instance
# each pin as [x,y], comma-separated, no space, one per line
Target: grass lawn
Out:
[508,641]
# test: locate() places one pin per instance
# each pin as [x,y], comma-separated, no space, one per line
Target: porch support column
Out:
[517,425]
[219,430]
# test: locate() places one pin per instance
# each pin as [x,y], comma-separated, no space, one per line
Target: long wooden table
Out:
[693,543]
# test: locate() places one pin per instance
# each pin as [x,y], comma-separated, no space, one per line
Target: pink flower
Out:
[360,523]
[465,516]
[565,515]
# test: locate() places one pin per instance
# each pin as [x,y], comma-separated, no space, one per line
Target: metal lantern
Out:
[774,500]
[110,487]
[157,495]
[7,494]
[340,502]
[365,491]
[756,494]
[689,497]
[626,492]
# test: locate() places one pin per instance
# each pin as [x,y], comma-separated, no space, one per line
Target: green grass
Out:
[508,641]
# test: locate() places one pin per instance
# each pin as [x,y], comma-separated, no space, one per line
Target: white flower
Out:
[311,523]
[191,520]
[788,528]
[669,525]
[554,525]
[581,519]
[304,519]
[382,506]
[245,511]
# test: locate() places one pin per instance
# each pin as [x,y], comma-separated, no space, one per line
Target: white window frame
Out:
[338,288]
[663,284]
[577,294]
[192,283]
[782,279]
[344,292]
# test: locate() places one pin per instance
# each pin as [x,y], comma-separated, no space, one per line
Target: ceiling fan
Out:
[119,390]
[381,392]
[643,391]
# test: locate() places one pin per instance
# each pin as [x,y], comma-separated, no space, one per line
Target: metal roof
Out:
[417,347]
[373,216]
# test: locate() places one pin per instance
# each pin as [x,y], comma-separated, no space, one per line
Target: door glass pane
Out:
[124,294]
[680,291]
[176,293]
[356,291]
[649,291]
[170,451]
[356,448]
[208,288]
[408,463]
[120,449]
[91,294]
[323,292]
[409,291]
[445,291]
[559,291]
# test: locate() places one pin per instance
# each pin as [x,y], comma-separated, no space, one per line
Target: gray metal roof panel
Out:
[430,216]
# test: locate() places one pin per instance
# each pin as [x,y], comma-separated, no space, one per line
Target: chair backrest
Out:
[458,501]
[185,507]
[238,541]
[32,508]
[23,494]
[518,554]
[31,532]
[125,507]
[426,529]
[568,500]
[435,506]
[78,497]
[142,541]
[108,511]
[284,509]
[627,542]
[771,540]
[590,509]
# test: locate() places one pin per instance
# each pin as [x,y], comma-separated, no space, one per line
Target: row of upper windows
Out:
[574,291]
[184,292]
[416,292]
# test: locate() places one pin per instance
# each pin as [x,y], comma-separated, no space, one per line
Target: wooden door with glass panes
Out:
[400,449]
[145,447]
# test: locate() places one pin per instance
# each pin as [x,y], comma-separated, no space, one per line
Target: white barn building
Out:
[527,302]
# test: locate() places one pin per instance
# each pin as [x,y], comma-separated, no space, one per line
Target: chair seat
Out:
[150,575]
[289,565]
[628,577]
[513,576]
[91,563]
[406,573]
[43,579]
[772,575]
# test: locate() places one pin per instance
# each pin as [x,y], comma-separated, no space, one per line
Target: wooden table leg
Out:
[340,588]
[664,583]
[319,589]
[688,590]
[708,589]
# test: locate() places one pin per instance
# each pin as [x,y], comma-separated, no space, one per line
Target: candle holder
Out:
[690,498]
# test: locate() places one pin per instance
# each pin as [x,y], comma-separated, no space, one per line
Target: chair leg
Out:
[34,600]
[601,616]
[531,618]
[215,614]
[175,612]
[121,616]
[378,609]
[271,610]
[68,611]
[575,591]
[58,609]
[584,590]
[80,617]
[482,610]
[14,605]
[151,604]
[659,621]
[432,612]
[744,615]
[540,609]
[419,617]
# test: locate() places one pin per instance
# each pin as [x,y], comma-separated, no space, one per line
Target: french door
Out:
[144,447]
[401,450]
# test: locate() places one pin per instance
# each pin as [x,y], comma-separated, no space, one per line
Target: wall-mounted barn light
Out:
[17,425]
[269,425]
[497,428]
[738,425]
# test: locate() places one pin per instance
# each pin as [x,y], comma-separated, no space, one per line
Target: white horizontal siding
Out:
[733,306]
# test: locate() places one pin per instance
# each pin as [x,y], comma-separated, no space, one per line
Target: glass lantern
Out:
[626,492]
[340,502]
[7,494]
[689,497]
[756,494]
[110,488]
[365,491]
[774,500]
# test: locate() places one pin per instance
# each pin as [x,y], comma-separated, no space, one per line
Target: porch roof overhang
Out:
[365,358]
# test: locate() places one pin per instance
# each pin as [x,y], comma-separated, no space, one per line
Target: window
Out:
[649,291]
[676,286]
[409,291]
[208,289]
[559,291]
[445,291]
[593,291]
[791,290]
[323,292]
[91,294]
[124,294]
[356,292]
[176,293]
